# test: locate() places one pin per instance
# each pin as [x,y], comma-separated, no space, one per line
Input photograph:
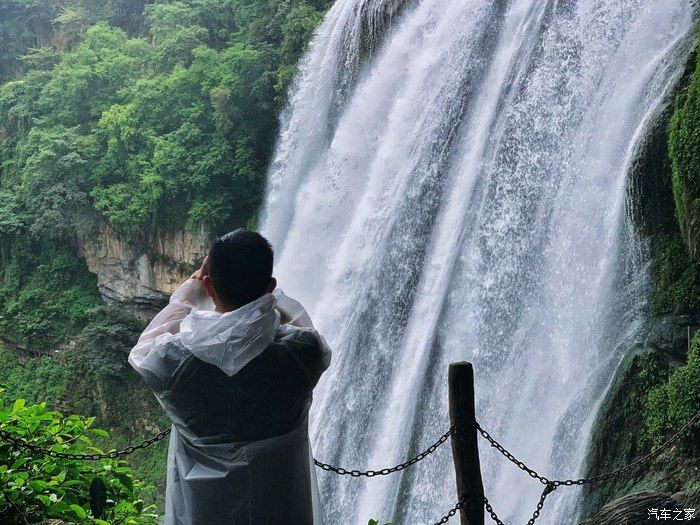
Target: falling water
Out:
[450,184]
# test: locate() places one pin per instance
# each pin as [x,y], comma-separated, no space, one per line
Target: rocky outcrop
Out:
[141,275]
[616,436]
[624,427]
[645,507]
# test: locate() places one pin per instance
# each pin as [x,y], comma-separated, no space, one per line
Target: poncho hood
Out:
[231,340]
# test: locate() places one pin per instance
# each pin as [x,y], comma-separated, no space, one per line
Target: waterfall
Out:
[450,184]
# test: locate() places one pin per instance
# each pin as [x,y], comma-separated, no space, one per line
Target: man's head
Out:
[239,269]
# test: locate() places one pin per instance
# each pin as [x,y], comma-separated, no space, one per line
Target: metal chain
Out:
[492,512]
[551,487]
[644,459]
[602,477]
[451,513]
[114,454]
[385,471]
[522,466]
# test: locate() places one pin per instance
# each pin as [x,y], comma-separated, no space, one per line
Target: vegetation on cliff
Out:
[671,404]
[144,115]
[676,262]
[91,376]
[684,150]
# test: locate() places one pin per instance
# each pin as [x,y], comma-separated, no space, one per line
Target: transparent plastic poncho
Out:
[212,479]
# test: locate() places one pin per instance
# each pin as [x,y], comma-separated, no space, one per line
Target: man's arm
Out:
[291,311]
[315,357]
[168,320]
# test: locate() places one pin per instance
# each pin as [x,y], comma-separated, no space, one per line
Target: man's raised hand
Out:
[199,274]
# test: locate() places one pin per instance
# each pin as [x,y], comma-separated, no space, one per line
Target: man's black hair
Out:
[240,266]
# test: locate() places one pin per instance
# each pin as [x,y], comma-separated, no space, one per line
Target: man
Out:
[234,362]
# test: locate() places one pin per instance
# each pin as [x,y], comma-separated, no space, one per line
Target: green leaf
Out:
[79,511]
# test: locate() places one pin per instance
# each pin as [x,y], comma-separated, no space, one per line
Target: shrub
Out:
[34,487]
[670,405]
[40,379]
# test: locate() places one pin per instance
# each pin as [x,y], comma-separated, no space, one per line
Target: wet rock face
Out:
[142,275]
[634,509]
[620,437]
[617,436]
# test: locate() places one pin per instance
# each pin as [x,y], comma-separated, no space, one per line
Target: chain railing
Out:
[385,471]
[113,454]
[451,512]
[550,485]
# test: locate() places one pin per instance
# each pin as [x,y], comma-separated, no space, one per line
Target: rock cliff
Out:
[645,507]
[141,275]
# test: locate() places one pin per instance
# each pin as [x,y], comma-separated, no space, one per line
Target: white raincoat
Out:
[237,387]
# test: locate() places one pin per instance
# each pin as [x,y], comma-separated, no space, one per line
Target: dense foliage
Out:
[684,145]
[147,116]
[45,293]
[102,382]
[671,404]
[33,486]
[46,378]
[171,127]
[60,24]
[103,385]
[92,377]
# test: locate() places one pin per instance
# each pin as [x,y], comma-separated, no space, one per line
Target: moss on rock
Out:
[671,404]
[675,276]
[619,435]
[684,150]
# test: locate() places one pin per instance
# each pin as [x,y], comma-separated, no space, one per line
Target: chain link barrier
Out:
[550,485]
[114,454]
[601,477]
[536,514]
[452,512]
[385,471]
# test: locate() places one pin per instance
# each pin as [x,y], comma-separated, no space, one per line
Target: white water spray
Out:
[450,184]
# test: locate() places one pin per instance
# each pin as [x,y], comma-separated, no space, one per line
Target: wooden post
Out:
[465,448]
